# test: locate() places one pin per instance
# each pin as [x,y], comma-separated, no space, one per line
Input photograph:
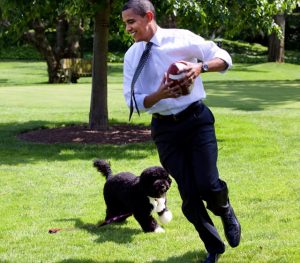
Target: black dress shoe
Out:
[232,227]
[212,258]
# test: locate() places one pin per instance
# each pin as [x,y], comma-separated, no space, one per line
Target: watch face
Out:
[204,67]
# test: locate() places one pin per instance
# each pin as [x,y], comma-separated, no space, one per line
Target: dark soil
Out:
[116,134]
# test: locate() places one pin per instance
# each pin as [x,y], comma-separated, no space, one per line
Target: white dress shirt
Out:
[169,45]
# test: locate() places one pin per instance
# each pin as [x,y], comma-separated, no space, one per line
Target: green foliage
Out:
[241,52]
[24,52]
[292,32]
[242,47]
[292,57]
[115,57]
[211,19]
[21,14]
[225,18]
[44,186]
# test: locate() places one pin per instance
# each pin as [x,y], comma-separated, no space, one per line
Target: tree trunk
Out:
[67,45]
[39,40]
[98,109]
[73,38]
[61,32]
[276,45]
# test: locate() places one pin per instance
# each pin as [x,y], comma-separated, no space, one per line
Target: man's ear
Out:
[150,16]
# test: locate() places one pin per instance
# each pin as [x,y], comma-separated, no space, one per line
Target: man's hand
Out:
[192,71]
[165,90]
[168,89]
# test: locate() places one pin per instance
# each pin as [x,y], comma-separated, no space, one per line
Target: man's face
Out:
[137,26]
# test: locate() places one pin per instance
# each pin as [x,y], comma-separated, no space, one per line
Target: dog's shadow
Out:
[115,232]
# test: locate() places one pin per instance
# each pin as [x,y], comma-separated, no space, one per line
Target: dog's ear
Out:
[146,175]
[147,178]
[153,173]
[164,174]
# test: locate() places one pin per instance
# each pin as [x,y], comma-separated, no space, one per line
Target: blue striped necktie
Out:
[137,72]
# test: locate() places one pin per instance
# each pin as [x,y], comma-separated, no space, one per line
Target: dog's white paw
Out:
[166,217]
[159,229]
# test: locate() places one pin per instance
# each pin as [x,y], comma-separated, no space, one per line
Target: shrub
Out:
[24,52]
[238,47]
[27,52]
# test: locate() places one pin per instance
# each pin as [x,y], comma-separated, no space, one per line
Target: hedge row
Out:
[240,51]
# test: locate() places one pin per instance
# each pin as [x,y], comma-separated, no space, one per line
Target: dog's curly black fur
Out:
[126,194]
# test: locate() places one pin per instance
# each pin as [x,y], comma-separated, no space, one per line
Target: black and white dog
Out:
[126,194]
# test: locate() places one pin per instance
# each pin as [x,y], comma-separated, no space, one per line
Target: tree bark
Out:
[276,45]
[74,35]
[67,45]
[61,32]
[39,40]
[98,119]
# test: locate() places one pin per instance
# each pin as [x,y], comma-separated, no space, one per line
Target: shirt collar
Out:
[157,38]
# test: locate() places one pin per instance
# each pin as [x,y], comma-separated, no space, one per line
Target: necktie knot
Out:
[148,46]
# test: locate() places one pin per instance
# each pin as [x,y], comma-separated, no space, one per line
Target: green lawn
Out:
[257,109]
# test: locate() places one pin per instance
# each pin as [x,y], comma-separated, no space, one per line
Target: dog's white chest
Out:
[159,204]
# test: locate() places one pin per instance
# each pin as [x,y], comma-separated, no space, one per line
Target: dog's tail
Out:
[103,167]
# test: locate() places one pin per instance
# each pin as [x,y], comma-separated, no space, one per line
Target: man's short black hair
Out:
[140,7]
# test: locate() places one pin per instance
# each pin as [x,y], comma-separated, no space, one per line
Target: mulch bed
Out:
[116,134]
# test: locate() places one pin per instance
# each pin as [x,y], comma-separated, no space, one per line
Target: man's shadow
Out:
[119,233]
[189,257]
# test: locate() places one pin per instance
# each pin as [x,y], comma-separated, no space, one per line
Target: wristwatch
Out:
[204,67]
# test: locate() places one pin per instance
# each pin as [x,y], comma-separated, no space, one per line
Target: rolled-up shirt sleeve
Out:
[208,50]
[213,51]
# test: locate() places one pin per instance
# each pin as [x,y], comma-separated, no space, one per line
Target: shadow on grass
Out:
[252,95]
[238,95]
[14,151]
[3,81]
[185,258]
[7,83]
[120,234]
[247,68]
[115,232]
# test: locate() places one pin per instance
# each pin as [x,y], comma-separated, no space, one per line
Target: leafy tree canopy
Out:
[210,18]
[227,18]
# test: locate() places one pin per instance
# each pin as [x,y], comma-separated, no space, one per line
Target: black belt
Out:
[179,116]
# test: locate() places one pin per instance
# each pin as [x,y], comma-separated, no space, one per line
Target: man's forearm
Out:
[151,99]
[165,91]
[216,65]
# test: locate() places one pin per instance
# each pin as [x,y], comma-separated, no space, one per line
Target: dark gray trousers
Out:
[188,151]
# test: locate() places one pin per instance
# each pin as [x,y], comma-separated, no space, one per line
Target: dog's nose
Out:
[164,188]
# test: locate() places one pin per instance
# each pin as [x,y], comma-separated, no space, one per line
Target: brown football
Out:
[174,74]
